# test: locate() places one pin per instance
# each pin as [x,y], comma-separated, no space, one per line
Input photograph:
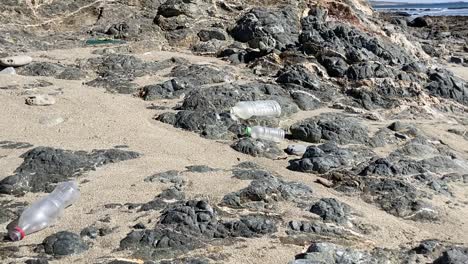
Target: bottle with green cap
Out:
[266,133]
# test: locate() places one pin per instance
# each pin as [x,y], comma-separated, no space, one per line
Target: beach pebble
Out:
[64,243]
[15,61]
[40,100]
[8,70]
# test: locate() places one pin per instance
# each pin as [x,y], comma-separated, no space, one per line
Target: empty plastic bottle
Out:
[45,211]
[8,70]
[247,109]
[267,133]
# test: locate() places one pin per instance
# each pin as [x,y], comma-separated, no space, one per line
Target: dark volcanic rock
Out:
[400,199]
[258,148]
[367,70]
[420,22]
[14,145]
[319,37]
[267,190]
[64,243]
[209,34]
[454,256]
[327,157]
[188,225]
[43,166]
[268,29]
[333,254]
[206,123]
[299,75]
[341,129]
[48,69]
[165,198]
[330,209]
[444,84]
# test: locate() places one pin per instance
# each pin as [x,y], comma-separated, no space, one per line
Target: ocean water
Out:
[441,9]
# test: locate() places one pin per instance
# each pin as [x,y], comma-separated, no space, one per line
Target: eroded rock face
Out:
[43,167]
[268,29]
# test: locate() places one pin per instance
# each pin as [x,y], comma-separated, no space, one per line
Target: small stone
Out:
[295,225]
[64,243]
[40,100]
[139,226]
[91,232]
[105,231]
[456,60]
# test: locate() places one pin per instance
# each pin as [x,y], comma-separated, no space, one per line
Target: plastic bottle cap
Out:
[248,131]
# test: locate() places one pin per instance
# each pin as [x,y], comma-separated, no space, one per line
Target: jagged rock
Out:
[330,209]
[323,252]
[336,66]
[268,29]
[326,157]
[209,34]
[299,75]
[453,256]
[258,148]
[414,67]
[48,69]
[343,130]
[267,190]
[188,225]
[207,124]
[44,166]
[315,228]
[367,70]
[444,84]
[400,199]
[165,198]
[251,174]
[114,83]
[64,243]
[420,22]
[166,90]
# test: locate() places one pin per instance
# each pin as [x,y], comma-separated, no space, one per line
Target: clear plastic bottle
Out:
[247,109]
[267,133]
[45,211]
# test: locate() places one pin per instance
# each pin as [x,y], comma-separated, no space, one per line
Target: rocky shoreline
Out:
[140,117]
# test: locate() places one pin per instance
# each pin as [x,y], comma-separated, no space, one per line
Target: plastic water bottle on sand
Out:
[266,133]
[247,109]
[45,211]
